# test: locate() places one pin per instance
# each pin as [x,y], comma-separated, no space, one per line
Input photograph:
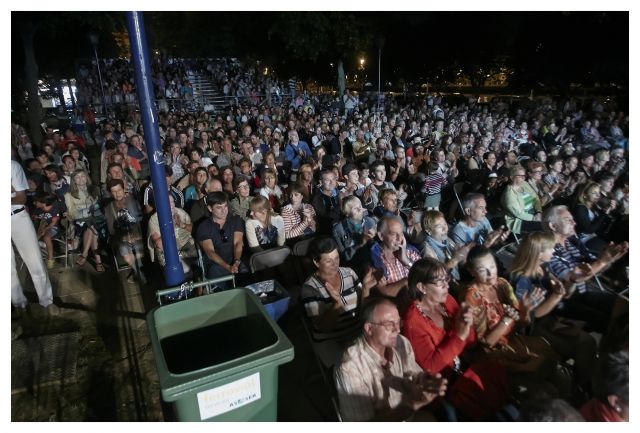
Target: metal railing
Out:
[199,103]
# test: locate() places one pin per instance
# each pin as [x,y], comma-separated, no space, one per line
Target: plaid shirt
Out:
[566,257]
[394,270]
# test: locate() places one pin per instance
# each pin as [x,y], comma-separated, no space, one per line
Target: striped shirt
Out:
[294,225]
[317,301]
[433,183]
[566,257]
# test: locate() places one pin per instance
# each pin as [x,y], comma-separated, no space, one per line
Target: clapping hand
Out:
[581,273]
[424,389]
[532,299]
[614,251]
[463,321]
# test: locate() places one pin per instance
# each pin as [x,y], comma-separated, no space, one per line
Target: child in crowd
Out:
[49,212]
[433,184]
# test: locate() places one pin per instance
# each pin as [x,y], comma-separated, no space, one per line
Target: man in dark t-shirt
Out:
[221,238]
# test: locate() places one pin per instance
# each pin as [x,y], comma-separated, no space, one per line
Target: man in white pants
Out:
[23,236]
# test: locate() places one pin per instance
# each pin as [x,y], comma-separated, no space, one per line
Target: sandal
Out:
[81,260]
[99,267]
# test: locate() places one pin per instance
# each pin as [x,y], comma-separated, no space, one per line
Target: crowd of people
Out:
[172,88]
[461,249]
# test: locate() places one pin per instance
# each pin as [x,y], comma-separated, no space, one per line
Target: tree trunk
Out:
[27,32]
[73,99]
[341,80]
[59,91]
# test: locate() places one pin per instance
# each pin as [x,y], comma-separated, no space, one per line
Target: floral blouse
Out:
[486,315]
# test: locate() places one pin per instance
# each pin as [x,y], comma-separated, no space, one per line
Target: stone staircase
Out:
[205,92]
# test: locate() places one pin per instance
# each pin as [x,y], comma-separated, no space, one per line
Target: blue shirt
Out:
[462,234]
[292,153]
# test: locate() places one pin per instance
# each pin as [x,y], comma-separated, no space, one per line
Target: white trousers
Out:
[23,236]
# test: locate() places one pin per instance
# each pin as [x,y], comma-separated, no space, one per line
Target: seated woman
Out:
[521,203]
[565,337]
[535,171]
[193,191]
[590,219]
[497,314]
[332,298]
[264,229]
[438,245]
[228,176]
[443,340]
[271,190]
[354,234]
[182,230]
[84,213]
[299,217]
[124,215]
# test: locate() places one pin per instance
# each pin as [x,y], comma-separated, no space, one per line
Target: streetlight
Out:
[361,64]
[94,39]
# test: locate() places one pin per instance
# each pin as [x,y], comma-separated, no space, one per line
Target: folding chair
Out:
[303,265]
[61,242]
[269,265]
[326,372]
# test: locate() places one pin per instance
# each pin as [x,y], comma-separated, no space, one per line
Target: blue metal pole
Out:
[173,272]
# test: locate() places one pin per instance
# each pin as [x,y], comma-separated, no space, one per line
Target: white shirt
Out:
[18,182]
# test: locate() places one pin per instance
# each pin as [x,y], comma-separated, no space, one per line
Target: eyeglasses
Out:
[389,325]
[536,172]
[223,236]
[244,186]
[440,282]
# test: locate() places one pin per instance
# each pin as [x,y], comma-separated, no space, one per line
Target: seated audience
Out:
[377,377]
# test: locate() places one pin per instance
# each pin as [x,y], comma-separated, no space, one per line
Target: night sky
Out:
[549,47]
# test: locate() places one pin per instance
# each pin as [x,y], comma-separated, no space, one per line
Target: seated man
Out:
[123,216]
[572,261]
[392,257]
[326,202]
[182,231]
[221,238]
[377,377]
[475,226]
[148,199]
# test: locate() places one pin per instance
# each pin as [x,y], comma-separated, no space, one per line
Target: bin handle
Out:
[187,286]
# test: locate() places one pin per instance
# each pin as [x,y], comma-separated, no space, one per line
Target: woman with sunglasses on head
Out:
[443,340]
[264,228]
[83,211]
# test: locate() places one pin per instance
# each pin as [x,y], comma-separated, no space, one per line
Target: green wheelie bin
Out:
[217,357]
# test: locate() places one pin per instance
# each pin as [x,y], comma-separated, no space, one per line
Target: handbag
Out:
[522,353]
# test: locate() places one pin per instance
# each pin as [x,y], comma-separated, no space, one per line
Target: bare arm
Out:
[19,198]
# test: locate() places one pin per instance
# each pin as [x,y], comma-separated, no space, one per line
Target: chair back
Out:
[271,258]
